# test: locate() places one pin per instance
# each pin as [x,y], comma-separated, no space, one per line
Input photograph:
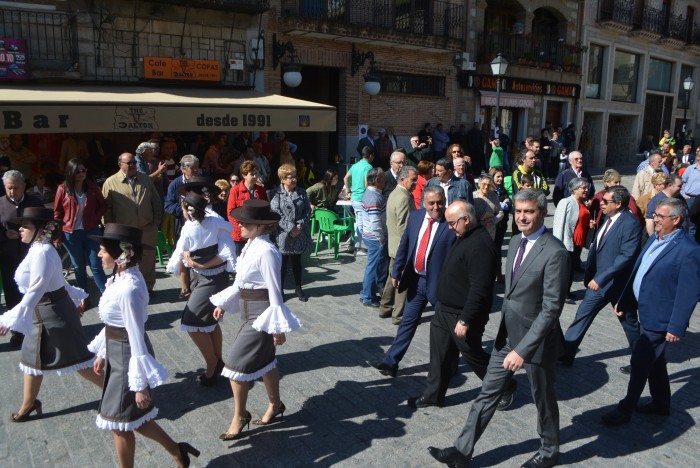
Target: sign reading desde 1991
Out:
[245,120]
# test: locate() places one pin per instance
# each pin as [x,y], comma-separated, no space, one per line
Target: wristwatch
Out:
[463,323]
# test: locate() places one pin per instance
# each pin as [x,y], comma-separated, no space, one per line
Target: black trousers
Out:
[8,266]
[445,348]
[295,260]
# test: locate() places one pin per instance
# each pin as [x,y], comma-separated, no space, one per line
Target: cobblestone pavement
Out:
[341,412]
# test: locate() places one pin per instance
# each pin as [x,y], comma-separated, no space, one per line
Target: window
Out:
[405,83]
[686,71]
[625,77]
[659,78]
[595,71]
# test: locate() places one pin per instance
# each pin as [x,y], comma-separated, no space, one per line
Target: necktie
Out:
[423,247]
[519,257]
[602,236]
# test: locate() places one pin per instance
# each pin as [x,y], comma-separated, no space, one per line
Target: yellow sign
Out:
[157,68]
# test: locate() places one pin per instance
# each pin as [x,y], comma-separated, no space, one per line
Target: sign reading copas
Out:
[158,68]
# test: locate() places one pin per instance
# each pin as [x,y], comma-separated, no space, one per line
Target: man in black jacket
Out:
[465,296]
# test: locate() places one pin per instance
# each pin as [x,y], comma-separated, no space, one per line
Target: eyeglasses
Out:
[235,181]
[577,159]
[291,177]
[456,151]
[401,163]
[454,223]
[129,163]
[605,201]
[662,217]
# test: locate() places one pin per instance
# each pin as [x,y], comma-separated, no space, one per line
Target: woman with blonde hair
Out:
[257,294]
[487,206]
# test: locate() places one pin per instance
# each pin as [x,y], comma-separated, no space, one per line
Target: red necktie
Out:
[423,247]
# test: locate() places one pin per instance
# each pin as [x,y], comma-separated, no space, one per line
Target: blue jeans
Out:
[359,213]
[376,265]
[82,250]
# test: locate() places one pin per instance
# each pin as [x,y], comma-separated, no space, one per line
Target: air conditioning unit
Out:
[462,62]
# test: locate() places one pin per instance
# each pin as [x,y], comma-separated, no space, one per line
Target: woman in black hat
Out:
[47,314]
[257,294]
[205,245]
[125,353]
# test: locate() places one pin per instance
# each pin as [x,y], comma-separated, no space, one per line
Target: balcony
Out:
[50,37]
[617,14]
[406,22]
[530,52]
[236,6]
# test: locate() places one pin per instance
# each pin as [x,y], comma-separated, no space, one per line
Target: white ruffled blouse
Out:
[195,235]
[124,304]
[40,272]
[259,268]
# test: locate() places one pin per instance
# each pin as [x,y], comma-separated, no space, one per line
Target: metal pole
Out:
[498,103]
[685,112]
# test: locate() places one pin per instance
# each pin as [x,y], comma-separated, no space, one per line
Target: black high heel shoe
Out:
[20,418]
[231,436]
[185,451]
[300,295]
[280,410]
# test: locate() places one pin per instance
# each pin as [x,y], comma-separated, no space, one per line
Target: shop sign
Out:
[158,68]
[13,59]
[520,86]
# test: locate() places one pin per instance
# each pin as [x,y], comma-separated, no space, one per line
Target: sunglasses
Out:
[235,181]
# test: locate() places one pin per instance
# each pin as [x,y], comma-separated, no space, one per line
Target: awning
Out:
[488,99]
[93,109]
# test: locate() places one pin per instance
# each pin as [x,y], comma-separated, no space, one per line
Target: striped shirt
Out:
[374,217]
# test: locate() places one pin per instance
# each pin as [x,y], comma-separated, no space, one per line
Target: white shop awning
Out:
[101,109]
[488,99]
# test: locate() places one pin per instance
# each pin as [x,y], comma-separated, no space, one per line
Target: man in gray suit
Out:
[529,335]
[398,207]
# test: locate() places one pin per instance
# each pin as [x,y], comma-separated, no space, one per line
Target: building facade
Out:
[639,54]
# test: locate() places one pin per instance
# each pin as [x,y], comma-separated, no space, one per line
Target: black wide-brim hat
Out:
[34,213]
[255,212]
[121,233]
[197,201]
[199,185]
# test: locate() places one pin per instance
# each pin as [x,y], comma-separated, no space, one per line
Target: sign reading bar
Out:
[157,68]
[516,85]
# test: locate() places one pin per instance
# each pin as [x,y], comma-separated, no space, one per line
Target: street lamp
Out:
[498,68]
[292,71]
[688,84]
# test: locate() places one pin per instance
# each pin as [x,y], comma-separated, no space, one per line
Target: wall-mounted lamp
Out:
[371,76]
[292,71]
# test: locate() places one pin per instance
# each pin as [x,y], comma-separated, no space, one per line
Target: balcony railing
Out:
[678,28]
[694,38]
[241,6]
[529,51]
[619,11]
[652,20]
[50,36]
[430,17]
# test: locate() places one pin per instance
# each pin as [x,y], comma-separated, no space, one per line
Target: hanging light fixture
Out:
[372,77]
[292,71]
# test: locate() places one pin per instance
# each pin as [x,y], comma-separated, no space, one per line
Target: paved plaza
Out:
[342,412]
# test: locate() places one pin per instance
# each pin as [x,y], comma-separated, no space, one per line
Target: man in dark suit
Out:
[463,306]
[575,169]
[366,141]
[397,160]
[664,288]
[419,258]
[529,335]
[610,261]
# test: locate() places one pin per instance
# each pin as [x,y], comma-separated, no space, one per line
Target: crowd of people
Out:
[431,221]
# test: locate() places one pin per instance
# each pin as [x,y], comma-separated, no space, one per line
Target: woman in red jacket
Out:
[242,191]
[80,205]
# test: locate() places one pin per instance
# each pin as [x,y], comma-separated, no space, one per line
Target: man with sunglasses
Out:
[132,199]
[610,260]
[669,258]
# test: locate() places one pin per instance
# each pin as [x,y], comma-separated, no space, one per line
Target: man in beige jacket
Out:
[398,207]
[132,199]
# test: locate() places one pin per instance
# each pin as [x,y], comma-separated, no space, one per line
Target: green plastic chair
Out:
[330,227]
[162,244]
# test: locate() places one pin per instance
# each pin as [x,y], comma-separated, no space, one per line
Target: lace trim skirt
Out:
[252,351]
[118,410]
[199,311]
[57,341]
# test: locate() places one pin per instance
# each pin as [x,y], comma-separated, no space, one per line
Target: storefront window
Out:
[406,83]
[686,71]
[659,76]
[625,74]
[595,71]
